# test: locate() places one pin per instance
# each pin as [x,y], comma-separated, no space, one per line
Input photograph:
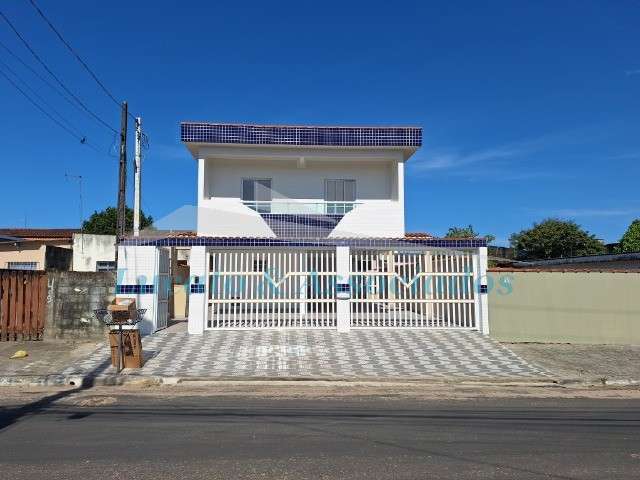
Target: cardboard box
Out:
[123,309]
[133,357]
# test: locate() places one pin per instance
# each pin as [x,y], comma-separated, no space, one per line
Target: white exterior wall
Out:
[137,266]
[89,249]
[299,176]
[197,301]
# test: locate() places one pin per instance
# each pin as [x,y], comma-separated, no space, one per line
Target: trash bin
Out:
[132,347]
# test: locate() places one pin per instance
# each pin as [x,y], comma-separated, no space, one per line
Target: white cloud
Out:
[593,212]
[447,160]
[165,151]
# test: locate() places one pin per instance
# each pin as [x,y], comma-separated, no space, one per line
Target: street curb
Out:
[86,381]
[605,382]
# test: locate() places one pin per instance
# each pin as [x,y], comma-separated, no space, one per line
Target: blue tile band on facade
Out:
[197,288]
[305,243]
[135,289]
[301,135]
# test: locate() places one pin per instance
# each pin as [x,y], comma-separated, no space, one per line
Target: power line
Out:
[68,128]
[53,87]
[60,116]
[55,77]
[145,138]
[42,78]
[75,54]
[35,104]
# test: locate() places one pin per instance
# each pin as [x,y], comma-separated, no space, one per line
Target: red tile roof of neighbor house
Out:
[417,235]
[40,233]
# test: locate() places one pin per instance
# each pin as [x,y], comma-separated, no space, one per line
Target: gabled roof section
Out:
[222,133]
[40,233]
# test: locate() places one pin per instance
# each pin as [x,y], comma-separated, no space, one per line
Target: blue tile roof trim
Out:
[308,243]
[301,135]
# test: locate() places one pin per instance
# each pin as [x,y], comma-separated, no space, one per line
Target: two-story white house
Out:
[304,227]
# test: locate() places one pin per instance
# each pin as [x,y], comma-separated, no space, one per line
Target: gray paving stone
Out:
[321,353]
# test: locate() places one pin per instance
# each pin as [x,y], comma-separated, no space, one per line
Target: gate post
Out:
[483,291]
[197,290]
[342,292]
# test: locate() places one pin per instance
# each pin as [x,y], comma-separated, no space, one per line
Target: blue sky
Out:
[529,109]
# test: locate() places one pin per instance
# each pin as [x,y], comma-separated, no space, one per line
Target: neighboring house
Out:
[604,263]
[304,227]
[36,248]
[94,253]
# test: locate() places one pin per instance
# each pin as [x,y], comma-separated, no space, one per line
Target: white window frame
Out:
[12,265]
[337,207]
[261,206]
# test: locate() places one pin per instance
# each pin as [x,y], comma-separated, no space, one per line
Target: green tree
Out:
[630,241]
[466,232]
[554,238]
[106,221]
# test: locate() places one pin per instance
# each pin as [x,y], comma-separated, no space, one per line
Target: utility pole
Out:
[137,172]
[122,179]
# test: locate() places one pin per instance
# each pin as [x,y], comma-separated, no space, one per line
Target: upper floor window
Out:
[256,193]
[339,195]
[22,265]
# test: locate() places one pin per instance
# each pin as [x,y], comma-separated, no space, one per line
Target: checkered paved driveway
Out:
[321,353]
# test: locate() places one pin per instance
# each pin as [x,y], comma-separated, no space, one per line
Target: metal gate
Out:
[164,286]
[413,289]
[271,289]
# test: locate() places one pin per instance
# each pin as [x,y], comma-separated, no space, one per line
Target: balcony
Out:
[301,219]
[301,208]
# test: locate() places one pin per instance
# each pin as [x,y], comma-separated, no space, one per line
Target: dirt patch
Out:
[95,401]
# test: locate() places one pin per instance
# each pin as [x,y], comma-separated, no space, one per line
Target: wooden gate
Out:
[23,298]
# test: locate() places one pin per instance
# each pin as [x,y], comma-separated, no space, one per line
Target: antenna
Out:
[78,178]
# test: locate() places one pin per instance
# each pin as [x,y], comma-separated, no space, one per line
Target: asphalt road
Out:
[366,438]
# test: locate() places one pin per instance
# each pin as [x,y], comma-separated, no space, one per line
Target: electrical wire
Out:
[82,140]
[145,138]
[42,78]
[54,76]
[74,53]
[42,100]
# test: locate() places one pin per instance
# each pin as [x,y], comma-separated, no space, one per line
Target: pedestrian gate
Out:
[249,289]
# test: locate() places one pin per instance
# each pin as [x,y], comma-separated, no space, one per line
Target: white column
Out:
[201,193]
[400,187]
[482,289]
[197,295]
[343,307]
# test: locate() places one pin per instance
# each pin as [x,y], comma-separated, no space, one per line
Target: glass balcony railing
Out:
[302,208]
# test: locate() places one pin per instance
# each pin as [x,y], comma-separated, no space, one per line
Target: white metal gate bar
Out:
[271,289]
[417,289]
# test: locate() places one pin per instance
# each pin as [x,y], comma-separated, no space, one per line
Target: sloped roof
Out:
[40,233]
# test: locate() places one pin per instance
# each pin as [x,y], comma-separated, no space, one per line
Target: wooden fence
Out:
[23,299]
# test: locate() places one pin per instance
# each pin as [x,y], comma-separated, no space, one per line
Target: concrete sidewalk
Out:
[611,364]
[45,357]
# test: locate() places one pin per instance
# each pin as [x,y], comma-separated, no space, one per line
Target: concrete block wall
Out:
[71,299]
